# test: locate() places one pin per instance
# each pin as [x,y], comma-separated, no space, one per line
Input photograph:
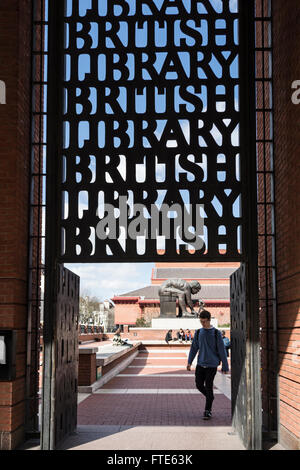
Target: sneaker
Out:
[207,414]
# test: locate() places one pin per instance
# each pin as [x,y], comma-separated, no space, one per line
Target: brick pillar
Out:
[15,69]
[286,33]
[87,369]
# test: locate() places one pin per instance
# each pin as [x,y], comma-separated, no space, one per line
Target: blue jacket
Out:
[226,342]
[211,349]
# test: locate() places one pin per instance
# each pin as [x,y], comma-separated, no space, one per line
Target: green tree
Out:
[87,305]
[142,323]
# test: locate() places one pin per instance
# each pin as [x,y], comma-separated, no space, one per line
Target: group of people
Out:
[181,336]
[186,336]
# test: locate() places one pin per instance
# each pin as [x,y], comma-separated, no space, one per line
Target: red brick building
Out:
[144,302]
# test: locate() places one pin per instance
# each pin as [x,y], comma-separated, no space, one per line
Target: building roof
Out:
[192,273]
[207,292]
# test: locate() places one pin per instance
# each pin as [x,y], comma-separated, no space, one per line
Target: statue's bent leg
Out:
[181,301]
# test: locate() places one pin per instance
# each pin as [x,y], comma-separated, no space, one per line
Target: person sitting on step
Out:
[118,341]
[168,337]
[188,335]
[180,335]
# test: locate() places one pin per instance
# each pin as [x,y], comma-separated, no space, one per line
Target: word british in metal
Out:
[152,116]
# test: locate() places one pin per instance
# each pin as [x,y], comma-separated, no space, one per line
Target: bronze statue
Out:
[183,290]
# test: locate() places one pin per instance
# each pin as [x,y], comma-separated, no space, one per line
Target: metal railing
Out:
[266,214]
[37,206]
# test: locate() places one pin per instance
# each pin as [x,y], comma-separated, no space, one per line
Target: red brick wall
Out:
[15,63]
[87,369]
[151,311]
[286,31]
[204,264]
[139,334]
[127,313]
[221,313]
[87,373]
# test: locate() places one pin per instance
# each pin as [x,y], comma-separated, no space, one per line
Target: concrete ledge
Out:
[84,337]
[158,342]
[132,329]
[105,358]
[183,322]
[88,350]
[112,373]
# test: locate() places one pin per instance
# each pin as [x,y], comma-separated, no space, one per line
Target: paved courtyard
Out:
[154,404]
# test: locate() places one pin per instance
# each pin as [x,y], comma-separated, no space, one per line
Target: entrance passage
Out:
[161,120]
[154,404]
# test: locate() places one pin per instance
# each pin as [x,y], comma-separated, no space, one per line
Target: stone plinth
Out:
[168,306]
[177,323]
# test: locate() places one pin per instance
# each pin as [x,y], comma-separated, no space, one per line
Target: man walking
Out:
[208,341]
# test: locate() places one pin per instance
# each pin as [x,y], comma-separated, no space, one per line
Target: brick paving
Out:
[144,394]
[160,354]
[157,361]
[141,381]
[151,410]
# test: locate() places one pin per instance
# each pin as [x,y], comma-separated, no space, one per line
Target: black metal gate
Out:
[245,361]
[59,413]
[148,99]
[149,104]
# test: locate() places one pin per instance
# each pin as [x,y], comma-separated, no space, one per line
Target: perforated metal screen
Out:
[150,113]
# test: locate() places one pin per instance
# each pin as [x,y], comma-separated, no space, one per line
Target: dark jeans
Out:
[204,377]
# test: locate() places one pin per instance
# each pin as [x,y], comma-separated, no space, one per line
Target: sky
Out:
[106,280]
